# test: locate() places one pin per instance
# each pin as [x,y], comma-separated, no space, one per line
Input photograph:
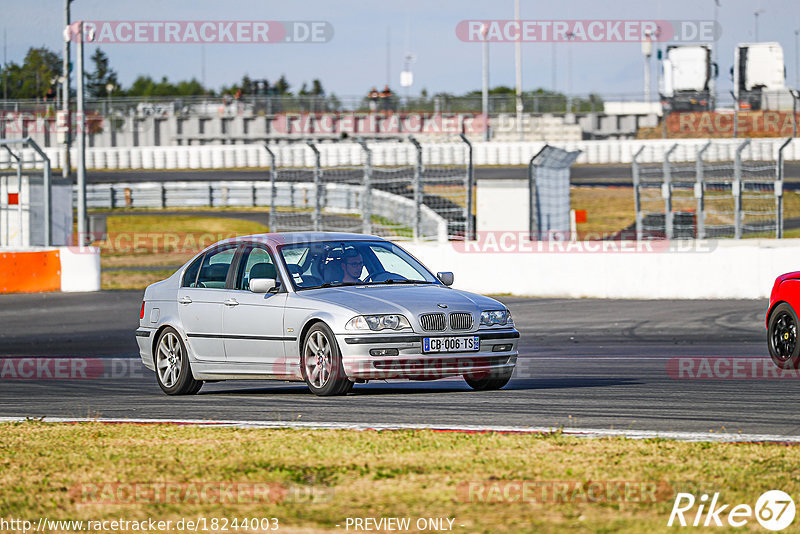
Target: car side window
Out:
[255,263]
[190,274]
[214,269]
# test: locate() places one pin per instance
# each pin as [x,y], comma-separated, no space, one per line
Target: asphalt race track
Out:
[583,364]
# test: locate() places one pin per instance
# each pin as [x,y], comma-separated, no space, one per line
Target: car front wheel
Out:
[173,372]
[782,337]
[322,363]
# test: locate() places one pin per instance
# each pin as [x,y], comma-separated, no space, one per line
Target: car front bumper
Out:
[497,355]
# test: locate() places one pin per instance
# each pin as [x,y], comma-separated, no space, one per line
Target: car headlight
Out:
[496,317]
[378,322]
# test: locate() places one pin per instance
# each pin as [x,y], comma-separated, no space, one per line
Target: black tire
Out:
[782,341]
[321,363]
[493,380]
[173,371]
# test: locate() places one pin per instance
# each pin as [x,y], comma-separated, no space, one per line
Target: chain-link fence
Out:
[689,200]
[418,201]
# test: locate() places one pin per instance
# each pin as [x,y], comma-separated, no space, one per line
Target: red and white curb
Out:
[297,425]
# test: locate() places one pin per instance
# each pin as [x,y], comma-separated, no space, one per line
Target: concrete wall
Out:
[690,270]
[403,153]
[38,269]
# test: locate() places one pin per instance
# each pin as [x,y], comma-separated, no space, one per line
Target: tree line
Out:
[38,77]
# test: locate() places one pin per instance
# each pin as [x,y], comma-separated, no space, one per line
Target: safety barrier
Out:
[33,270]
[342,199]
[402,153]
[724,269]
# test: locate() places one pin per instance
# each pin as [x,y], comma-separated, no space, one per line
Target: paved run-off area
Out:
[666,366]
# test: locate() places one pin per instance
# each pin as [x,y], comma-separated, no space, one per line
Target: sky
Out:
[355,59]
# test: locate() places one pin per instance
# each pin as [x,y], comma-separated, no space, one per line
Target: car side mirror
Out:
[262,285]
[446,278]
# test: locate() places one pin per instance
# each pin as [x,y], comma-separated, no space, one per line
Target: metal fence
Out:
[549,189]
[26,202]
[249,104]
[419,201]
[700,200]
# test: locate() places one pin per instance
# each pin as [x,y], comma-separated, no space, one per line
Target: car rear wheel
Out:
[784,348]
[321,363]
[173,371]
[493,380]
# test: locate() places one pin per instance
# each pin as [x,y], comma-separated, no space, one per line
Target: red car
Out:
[782,321]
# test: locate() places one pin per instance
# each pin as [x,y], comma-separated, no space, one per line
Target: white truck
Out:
[759,77]
[687,80]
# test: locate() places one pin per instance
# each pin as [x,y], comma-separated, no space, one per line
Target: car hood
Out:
[406,299]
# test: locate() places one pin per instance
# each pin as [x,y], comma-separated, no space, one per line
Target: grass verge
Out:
[142,249]
[89,472]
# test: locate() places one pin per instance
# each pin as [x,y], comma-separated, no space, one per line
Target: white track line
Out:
[581,432]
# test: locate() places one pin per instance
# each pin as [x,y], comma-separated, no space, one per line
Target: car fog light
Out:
[384,352]
[501,348]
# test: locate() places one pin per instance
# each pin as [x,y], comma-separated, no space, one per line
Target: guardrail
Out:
[343,203]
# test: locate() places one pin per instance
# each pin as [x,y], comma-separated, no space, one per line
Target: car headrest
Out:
[332,271]
[216,272]
[263,270]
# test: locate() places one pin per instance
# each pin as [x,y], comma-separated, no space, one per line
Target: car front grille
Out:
[432,322]
[460,321]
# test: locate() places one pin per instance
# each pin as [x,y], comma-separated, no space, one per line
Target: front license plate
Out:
[451,344]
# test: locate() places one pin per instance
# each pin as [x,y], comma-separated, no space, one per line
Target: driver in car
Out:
[352,265]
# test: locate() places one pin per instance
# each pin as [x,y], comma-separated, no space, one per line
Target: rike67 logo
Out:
[774,510]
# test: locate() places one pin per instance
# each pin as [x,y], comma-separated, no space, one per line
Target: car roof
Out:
[277,239]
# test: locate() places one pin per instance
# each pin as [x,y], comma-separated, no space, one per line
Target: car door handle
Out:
[231,302]
[185,300]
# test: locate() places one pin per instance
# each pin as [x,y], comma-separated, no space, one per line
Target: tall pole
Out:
[485,88]
[796,61]
[66,165]
[82,232]
[388,55]
[713,82]
[5,66]
[647,51]
[756,13]
[518,59]
[570,36]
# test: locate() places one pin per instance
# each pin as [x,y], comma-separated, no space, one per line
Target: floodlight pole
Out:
[82,230]
[66,164]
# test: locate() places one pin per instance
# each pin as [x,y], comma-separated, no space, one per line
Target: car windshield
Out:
[349,263]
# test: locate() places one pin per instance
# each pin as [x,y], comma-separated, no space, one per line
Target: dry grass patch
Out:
[43,468]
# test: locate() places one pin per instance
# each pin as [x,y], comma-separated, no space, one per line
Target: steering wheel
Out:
[383,276]
[309,281]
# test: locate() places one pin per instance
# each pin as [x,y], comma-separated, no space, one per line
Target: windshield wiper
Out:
[399,281]
[341,284]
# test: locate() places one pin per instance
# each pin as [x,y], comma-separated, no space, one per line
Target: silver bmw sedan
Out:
[330,309]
